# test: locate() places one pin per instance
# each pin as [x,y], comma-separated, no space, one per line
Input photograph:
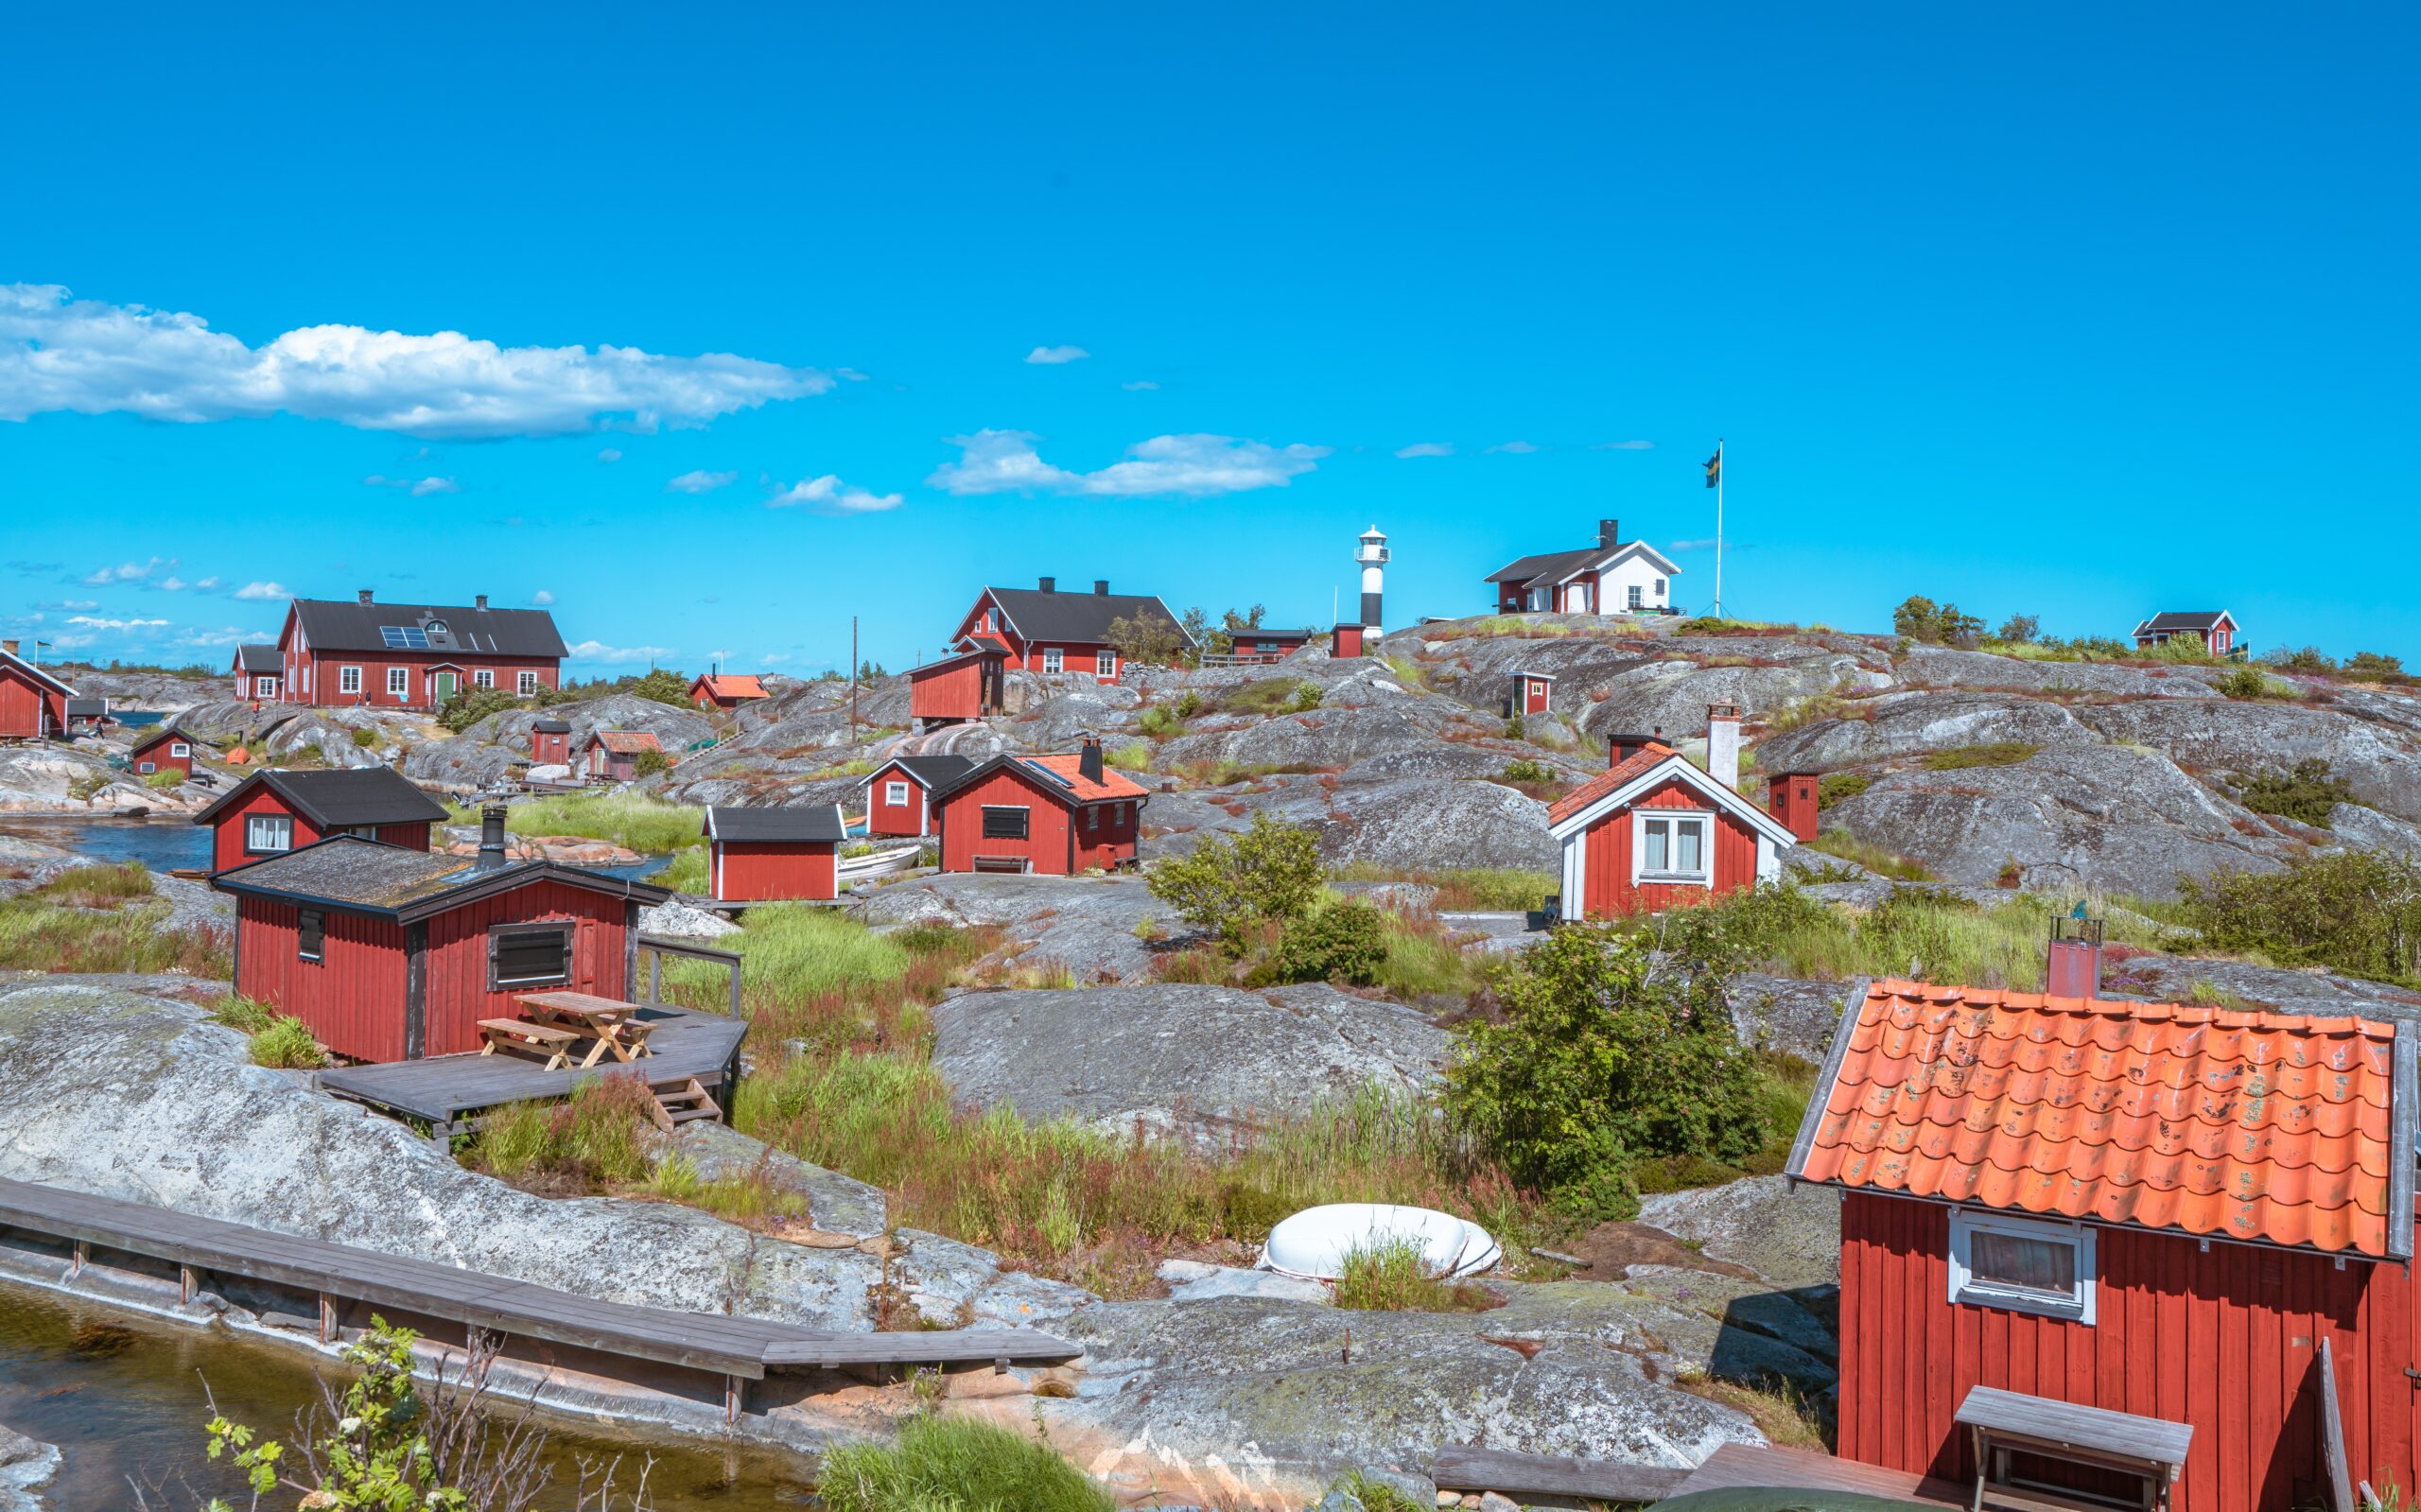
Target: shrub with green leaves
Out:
[1343,942]
[2358,910]
[956,1465]
[1838,787]
[286,1043]
[2251,683]
[1528,769]
[1188,703]
[165,780]
[1160,723]
[1960,757]
[1271,872]
[2306,795]
[663,685]
[1919,618]
[1307,698]
[651,763]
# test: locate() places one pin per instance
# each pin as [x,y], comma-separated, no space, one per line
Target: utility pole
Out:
[853,680]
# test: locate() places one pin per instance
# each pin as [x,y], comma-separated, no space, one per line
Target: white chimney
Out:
[1723,743]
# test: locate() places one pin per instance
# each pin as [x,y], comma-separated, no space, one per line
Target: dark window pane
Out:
[308,934]
[1003,824]
[534,955]
[2012,1260]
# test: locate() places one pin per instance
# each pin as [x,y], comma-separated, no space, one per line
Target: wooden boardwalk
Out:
[1740,1466]
[737,1349]
[1469,1468]
[441,1089]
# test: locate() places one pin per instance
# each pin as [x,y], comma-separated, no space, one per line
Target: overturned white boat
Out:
[1314,1242]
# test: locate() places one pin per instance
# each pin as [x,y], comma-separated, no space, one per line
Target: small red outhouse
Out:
[387,954]
[1530,693]
[1655,831]
[551,741]
[613,755]
[166,749]
[33,704]
[272,812]
[1790,797]
[725,690]
[896,792]
[956,689]
[1057,815]
[1345,642]
[757,854]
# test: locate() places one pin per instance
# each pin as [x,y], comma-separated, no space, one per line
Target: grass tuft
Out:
[1996,754]
[956,1465]
[631,820]
[1392,1276]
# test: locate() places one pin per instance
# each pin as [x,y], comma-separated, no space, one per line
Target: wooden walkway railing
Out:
[655,949]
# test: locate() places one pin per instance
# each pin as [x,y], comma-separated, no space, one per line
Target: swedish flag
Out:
[1715,468]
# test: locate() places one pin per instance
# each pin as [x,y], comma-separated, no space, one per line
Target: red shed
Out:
[2143,1208]
[1529,693]
[754,855]
[1057,815]
[1653,831]
[725,690]
[550,741]
[1790,797]
[166,749]
[896,792]
[1345,642]
[391,954]
[614,754]
[956,689]
[33,704]
[272,812]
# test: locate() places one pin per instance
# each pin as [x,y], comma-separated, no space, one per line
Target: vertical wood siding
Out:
[1112,844]
[548,748]
[1045,846]
[156,754]
[413,836]
[352,999]
[327,677]
[1611,890]
[227,834]
[2226,1339]
[948,693]
[458,957]
[22,703]
[895,818]
[750,871]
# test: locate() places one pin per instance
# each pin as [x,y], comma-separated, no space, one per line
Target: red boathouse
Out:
[391,954]
[1655,831]
[759,854]
[2142,1208]
[272,812]
[33,704]
[1056,815]
[166,749]
[897,791]
[959,688]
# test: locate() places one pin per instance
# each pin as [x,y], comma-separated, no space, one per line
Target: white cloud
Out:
[208,584]
[701,482]
[63,354]
[1426,448]
[417,487]
[71,603]
[174,584]
[1516,449]
[1624,445]
[126,572]
[117,626]
[1139,386]
[256,592]
[853,375]
[542,597]
[229,637]
[1049,356]
[610,454]
[596,651]
[1002,461]
[831,496]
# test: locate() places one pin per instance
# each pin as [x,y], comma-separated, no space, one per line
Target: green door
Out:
[443,686]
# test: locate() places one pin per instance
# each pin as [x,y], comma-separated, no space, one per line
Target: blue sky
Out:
[2083,311]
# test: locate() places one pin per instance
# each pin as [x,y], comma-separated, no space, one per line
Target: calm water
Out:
[122,1395]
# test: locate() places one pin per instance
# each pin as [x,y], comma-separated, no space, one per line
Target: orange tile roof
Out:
[1113,783]
[2260,1126]
[732,684]
[627,742]
[1604,783]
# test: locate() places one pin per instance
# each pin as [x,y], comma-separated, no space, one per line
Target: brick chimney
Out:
[1049,585]
[1790,797]
[363,597]
[1723,744]
[1609,534]
[1101,586]
[9,646]
[1089,760]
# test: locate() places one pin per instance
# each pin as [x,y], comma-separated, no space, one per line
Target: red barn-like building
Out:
[614,754]
[2141,1207]
[897,791]
[550,741]
[33,704]
[1043,629]
[957,689]
[272,812]
[1654,832]
[757,854]
[2215,628]
[412,656]
[725,690]
[390,954]
[166,749]
[1056,815]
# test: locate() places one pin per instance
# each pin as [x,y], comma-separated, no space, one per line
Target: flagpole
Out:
[1718,527]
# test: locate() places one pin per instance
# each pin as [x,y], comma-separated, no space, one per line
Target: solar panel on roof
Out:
[404,637]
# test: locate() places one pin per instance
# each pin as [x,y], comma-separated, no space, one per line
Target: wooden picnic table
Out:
[613,1024]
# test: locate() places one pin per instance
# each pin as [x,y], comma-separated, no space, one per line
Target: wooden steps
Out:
[681,1101]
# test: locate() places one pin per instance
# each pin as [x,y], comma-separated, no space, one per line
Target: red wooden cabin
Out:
[959,688]
[1612,577]
[1345,642]
[1530,693]
[2145,1208]
[33,704]
[1791,798]
[1263,644]
[1654,832]
[1056,815]
[550,741]
[614,754]
[725,690]
[166,749]
[897,790]
[272,812]
[390,954]
[755,855]
[1046,631]
[2215,628]
[256,671]
[412,656]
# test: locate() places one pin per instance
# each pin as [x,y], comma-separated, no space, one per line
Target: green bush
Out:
[1527,769]
[2251,683]
[1268,695]
[1959,758]
[2375,667]
[663,685]
[2358,910]
[163,781]
[1920,618]
[1160,723]
[1132,756]
[2305,795]
[1838,787]
[1188,703]
[1343,942]
[651,763]
[1515,727]
[956,1465]
[246,1015]
[285,1042]
[1307,698]
[1392,1275]
[468,706]
[1271,872]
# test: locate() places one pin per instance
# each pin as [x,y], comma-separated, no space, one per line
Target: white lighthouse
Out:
[1372,554]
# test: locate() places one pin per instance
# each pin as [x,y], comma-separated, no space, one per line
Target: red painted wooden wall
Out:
[753,871]
[158,753]
[2226,1339]
[227,830]
[886,818]
[1059,842]
[352,999]
[1536,693]
[23,703]
[550,748]
[458,996]
[1347,641]
[948,693]
[1610,889]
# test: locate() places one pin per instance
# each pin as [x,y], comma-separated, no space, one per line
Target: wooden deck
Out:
[735,1347]
[441,1089]
[1738,1465]
[1468,1468]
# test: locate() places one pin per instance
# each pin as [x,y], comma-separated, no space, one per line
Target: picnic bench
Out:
[549,1040]
[613,1024]
[2006,1424]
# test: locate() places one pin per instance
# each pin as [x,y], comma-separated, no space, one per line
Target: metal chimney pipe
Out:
[1089,760]
[492,837]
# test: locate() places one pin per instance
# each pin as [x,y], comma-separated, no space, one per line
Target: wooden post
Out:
[184,1286]
[735,1397]
[76,1266]
[655,979]
[735,989]
[327,1318]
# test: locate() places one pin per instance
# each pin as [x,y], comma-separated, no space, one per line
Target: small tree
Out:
[2018,630]
[1271,872]
[1343,942]
[1920,618]
[663,685]
[1147,638]
[651,763]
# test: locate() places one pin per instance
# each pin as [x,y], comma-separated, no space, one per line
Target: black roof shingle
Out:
[346,624]
[930,771]
[340,798]
[260,659]
[813,822]
[1081,616]
[368,877]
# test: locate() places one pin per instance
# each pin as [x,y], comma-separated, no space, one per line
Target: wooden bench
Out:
[519,1033]
[2006,1423]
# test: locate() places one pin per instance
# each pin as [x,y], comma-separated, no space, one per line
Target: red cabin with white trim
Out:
[167,748]
[272,812]
[33,704]
[1056,815]
[1655,831]
[363,653]
[613,755]
[1043,629]
[761,855]
[1530,693]
[897,791]
[725,690]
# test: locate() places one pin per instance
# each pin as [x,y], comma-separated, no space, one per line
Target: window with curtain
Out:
[1673,847]
[2022,1264]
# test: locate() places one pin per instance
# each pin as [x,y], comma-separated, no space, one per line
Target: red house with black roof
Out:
[258,671]
[387,953]
[2215,628]
[1053,815]
[362,653]
[165,749]
[1042,629]
[551,741]
[274,812]
[762,855]
[897,790]
[33,704]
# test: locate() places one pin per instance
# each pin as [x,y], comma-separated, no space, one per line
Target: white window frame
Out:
[180,750]
[895,794]
[484,677]
[1053,660]
[1104,663]
[1702,818]
[277,828]
[399,682]
[1966,1290]
[348,679]
[1635,597]
[264,687]
[525,683]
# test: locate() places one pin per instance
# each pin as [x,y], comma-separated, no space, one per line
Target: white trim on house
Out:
[1692,776]
[2077,1305]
